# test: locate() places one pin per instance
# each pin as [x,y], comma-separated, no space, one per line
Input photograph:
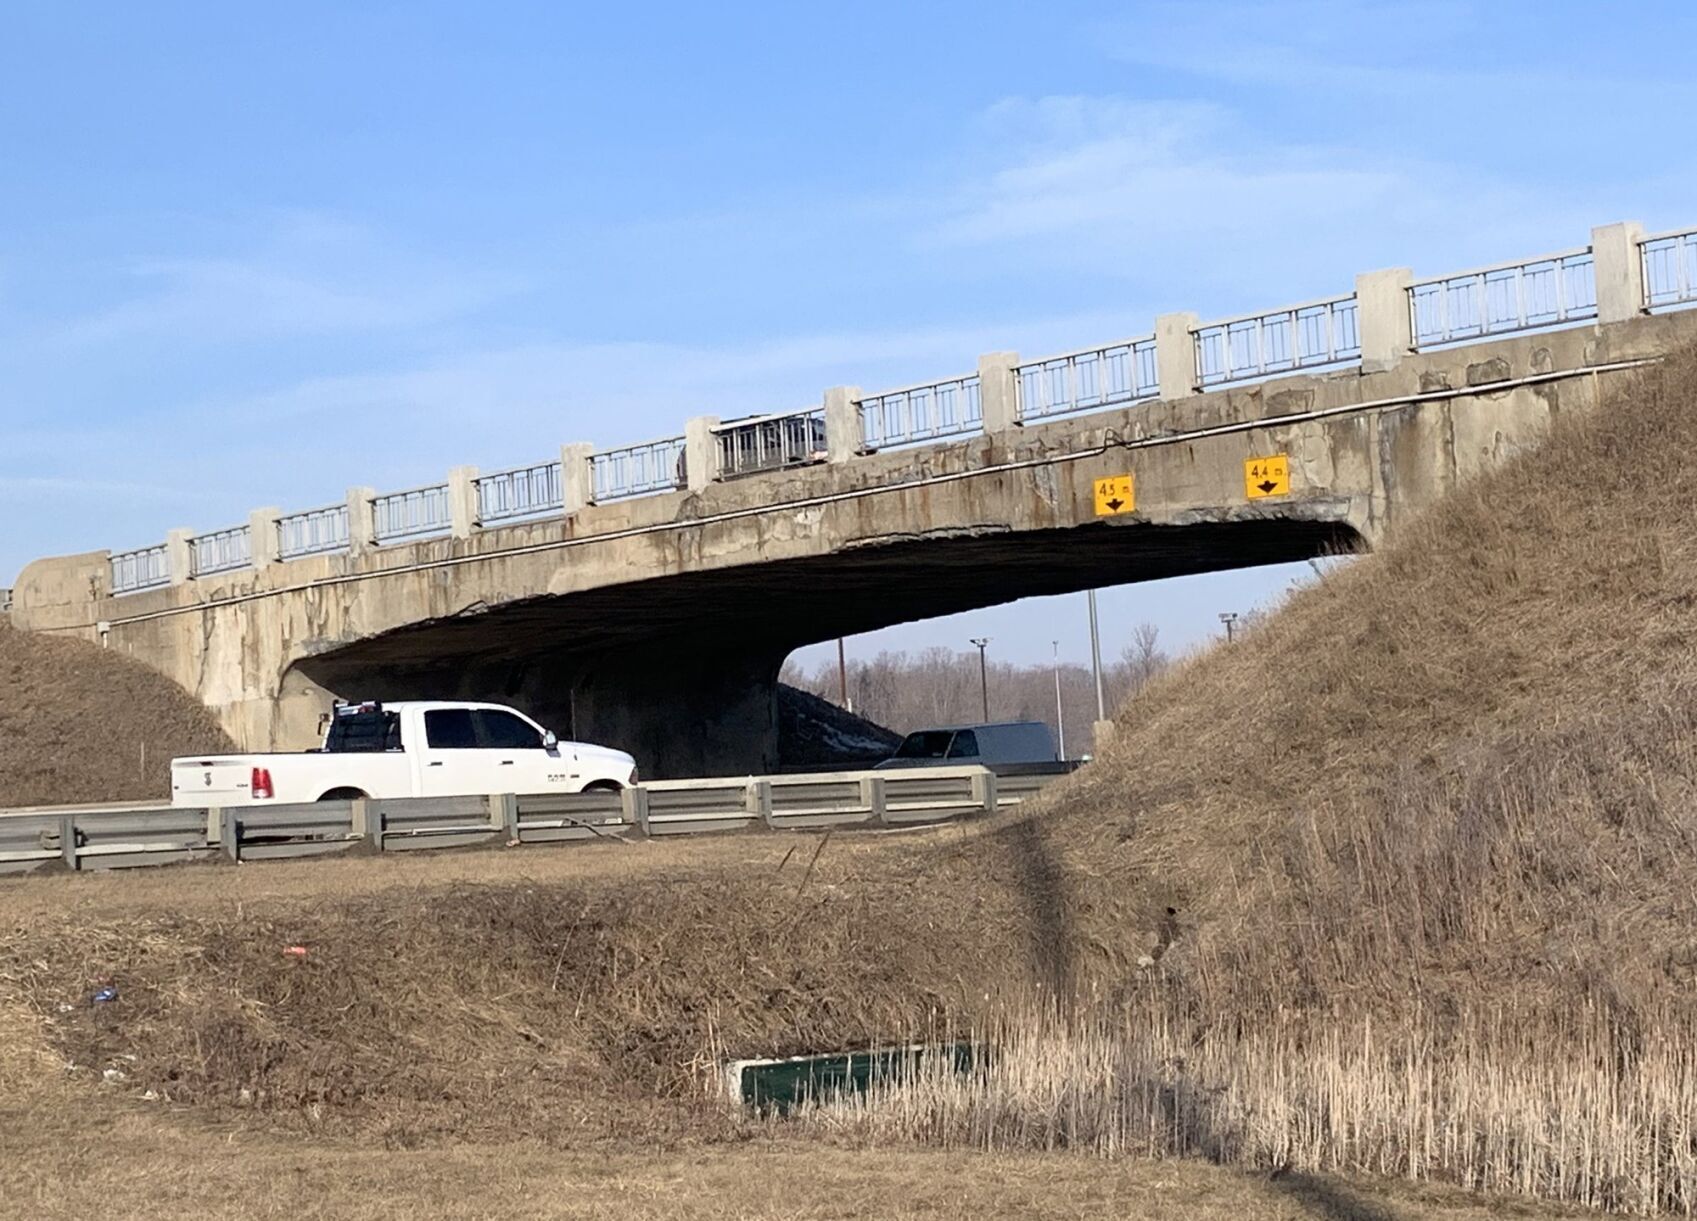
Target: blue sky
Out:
[254,256]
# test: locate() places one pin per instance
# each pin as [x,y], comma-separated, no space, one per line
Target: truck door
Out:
[473,751]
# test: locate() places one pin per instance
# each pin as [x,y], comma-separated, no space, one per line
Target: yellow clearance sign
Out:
[1115,494]
[1269,476]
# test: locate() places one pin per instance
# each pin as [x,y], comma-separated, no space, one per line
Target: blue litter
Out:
[104,995]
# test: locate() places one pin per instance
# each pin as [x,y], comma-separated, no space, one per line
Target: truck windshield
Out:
[926,744]
[364,731]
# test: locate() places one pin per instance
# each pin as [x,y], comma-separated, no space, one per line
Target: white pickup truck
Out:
[407,749]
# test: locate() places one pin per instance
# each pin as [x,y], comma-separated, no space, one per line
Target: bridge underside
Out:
[682,670]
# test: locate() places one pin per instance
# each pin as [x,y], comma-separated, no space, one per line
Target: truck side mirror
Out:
[549,741]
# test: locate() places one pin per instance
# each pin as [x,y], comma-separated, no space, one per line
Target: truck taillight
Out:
[260,785]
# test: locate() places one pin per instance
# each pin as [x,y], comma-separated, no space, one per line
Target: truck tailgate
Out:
[225,778]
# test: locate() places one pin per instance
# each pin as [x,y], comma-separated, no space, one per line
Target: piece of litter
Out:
[150,1096]
[294,951]
[65,1007]
[112,1074]
[108,993]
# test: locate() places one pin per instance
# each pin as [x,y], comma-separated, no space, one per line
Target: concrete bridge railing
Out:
[1622,273]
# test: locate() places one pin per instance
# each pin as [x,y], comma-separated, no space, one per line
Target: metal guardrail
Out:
[314,532]
[221,551]
[1505,297]
[412,513]
[1305,336]
[923,412]
[770,443]
[635,470]
[145,568]
[1670,268]
[521,492]
[1526,294]
[1089,379]
[107,837]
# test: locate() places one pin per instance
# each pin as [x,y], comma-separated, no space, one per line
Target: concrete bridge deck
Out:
[659,622]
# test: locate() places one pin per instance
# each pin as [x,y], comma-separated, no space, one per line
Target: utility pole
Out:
[1060,717]
[1229,618]
[1096,658]
[842,678]
[983,642]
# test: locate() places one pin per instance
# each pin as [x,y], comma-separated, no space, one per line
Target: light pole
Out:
[1229,618]
[983,642]
[1096,658]
[1060,717]
[842,678]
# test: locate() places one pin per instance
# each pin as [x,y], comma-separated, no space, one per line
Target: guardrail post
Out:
[757,800]
[1618,265]
[845,435]
[368,823]
[1383,321]
[577,477]
[634,802]
[1175,354]
[984,791]
[462,501]
[179,556]
[998,390]
[263,544]
[872,796]
[504,816]
[68,841]
[362,520]
[701,452]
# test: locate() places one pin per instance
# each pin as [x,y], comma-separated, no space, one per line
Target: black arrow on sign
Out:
[1266,485]
[1115,504]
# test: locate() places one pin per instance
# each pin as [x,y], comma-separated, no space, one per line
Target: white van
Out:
[1002,744]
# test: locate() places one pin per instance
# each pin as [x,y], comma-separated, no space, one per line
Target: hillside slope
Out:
[80,723]
[1462,768]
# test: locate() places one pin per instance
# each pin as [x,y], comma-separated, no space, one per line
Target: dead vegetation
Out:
[81,723]
[1447,792]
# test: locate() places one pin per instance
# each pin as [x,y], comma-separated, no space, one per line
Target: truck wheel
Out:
[343,795]
[602,786]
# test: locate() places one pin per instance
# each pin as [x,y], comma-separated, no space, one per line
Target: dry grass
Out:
[1449,790]
[81,723]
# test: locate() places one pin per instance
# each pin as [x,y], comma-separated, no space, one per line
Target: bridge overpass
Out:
[646,596]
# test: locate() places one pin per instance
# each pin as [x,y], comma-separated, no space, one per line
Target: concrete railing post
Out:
[263,544]
[701,451]
[998,390]
[1175,354]
[68,841]
[1618,265]
[577,477]
[179,555]
[362,520]
[984,793]
[462,501]
[845,435]
[1382,318]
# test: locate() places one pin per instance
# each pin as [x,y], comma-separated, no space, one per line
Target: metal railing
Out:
[1670,268]
[1522,296]
[1089,379]
[1277,341]
[924,412]
[130,835]
[411,513]
[145,568]
[769,443]
[313,532]
[635,470]
[221,551]
[524,491]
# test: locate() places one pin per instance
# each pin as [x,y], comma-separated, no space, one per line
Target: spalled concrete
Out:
[658,624]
